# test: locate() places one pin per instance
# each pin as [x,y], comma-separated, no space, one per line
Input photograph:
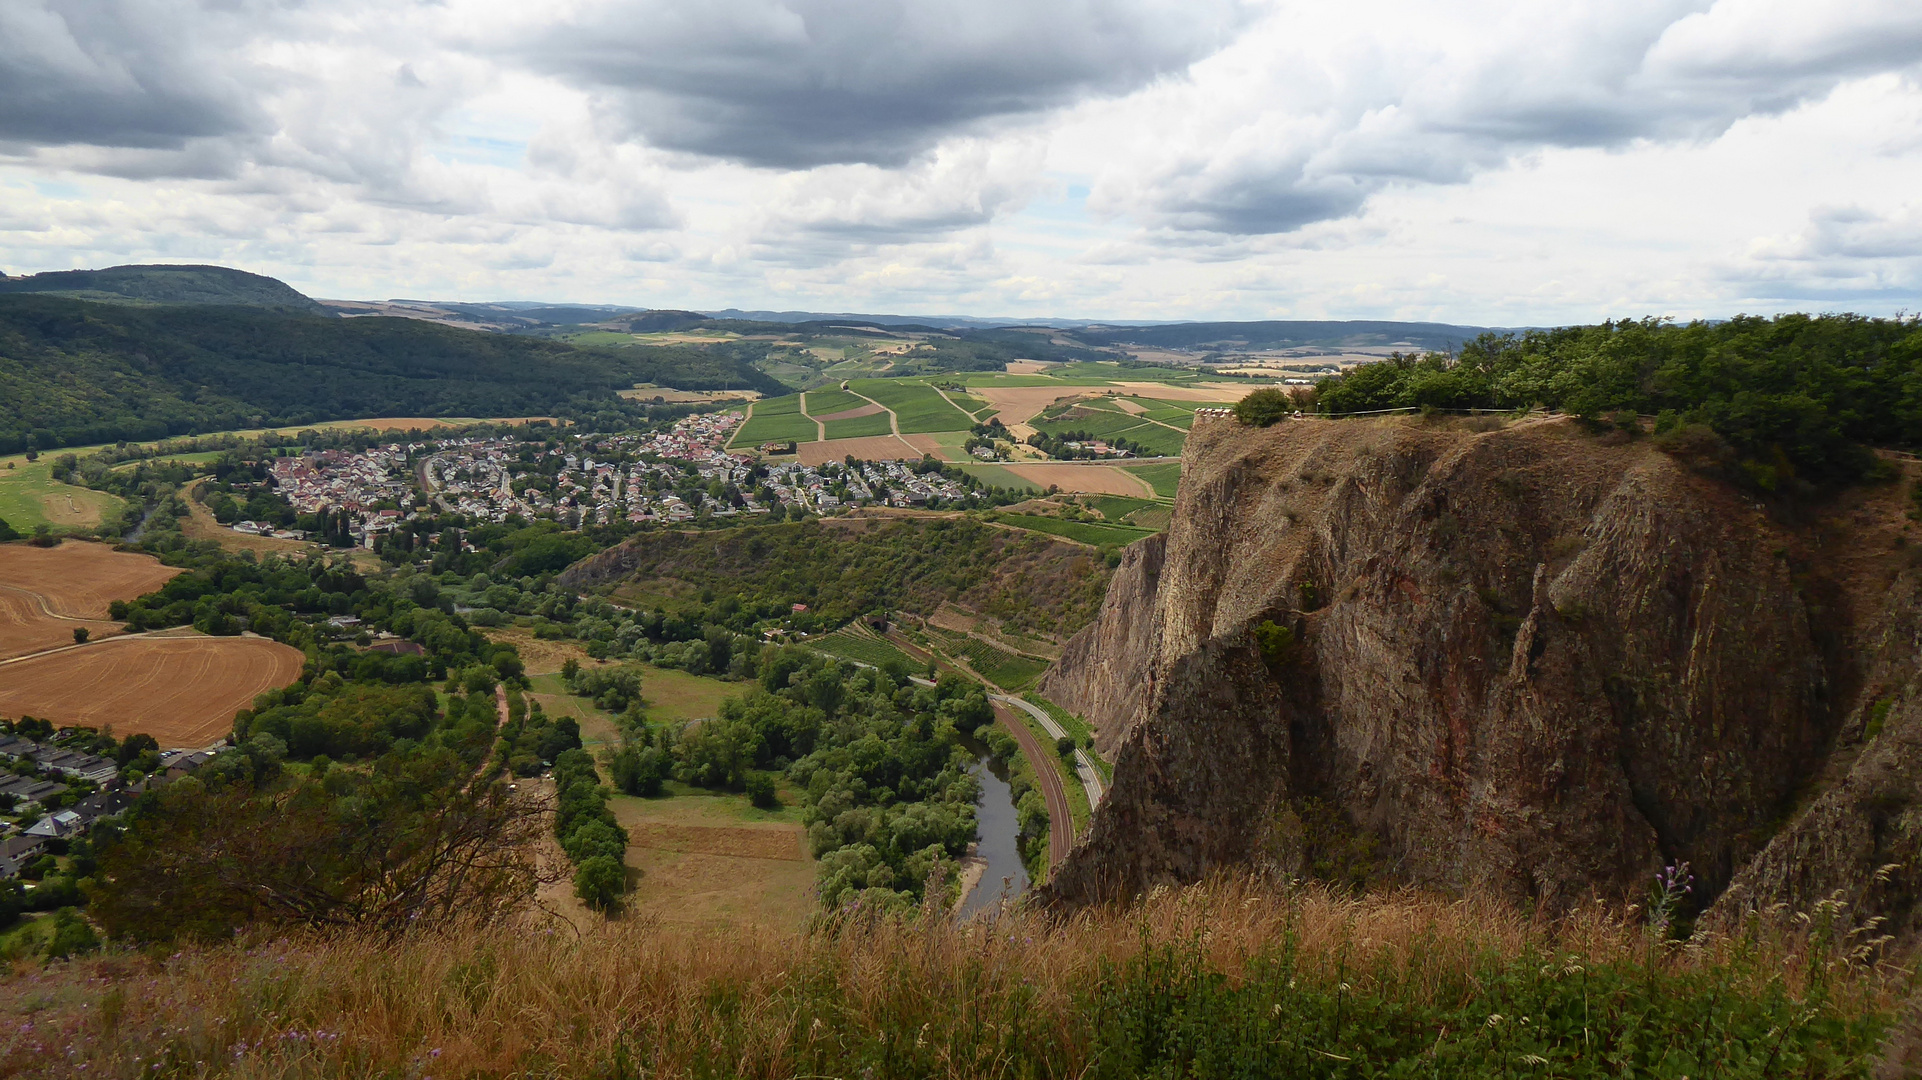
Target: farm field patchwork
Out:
[47,593]
[821,404]
[1100,479]
[919,407]
[776,420]
[968,403]
[858,427]
[1002,476]
[182,689]
[868,448]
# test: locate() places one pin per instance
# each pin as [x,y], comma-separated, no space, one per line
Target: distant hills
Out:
[160,284]
[137,352]
[1239,336]
[76,372]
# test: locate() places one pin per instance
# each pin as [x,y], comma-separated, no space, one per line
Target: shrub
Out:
[600,882]
[1265,407]
[760,790]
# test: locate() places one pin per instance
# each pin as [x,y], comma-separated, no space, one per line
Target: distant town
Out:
[679,474]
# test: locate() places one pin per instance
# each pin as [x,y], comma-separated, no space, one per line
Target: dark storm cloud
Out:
[800,83]
[118,73]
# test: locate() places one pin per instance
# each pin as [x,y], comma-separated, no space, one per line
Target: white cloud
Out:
[1487,161]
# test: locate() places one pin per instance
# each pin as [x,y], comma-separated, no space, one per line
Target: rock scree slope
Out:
[1531,660]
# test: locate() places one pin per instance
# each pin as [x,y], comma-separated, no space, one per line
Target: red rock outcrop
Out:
[1529,659]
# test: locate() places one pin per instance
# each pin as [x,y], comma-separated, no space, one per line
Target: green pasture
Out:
[1157,517]
[1163,476]
[968,402]
[916,405]
[776,420]
[998,476]
[1116,507]
[827,402]
[858,426]
[30,497]
[1109,424]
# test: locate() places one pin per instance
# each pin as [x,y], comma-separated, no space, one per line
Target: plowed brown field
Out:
[47,593]
[867,448]
[1097,479]
[184,691]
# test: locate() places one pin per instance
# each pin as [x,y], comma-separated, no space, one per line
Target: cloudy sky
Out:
[1474,161]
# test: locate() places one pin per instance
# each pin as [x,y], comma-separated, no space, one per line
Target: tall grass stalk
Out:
[1229,978]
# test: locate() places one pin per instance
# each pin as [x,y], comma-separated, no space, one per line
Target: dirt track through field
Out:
[184,691]
[48,593]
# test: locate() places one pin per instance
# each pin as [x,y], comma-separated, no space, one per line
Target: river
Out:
[996,827]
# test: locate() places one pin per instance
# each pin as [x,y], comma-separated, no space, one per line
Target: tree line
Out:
[1795,400]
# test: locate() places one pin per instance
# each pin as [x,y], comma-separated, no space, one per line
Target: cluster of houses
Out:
[636,477]
[475,477]
[29,793]
[1095,448]
[340,480]
[868,483]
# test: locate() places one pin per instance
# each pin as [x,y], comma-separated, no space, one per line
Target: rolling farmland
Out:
[857,427]
[183,689]
[48,593]
[776,420]
[919,406]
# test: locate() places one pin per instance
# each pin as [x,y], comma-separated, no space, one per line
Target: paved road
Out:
[1084,768]
[1060,815]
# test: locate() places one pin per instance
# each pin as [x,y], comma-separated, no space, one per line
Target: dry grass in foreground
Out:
[1226,979]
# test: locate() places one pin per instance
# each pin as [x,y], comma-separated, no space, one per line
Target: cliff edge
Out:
[1521,657]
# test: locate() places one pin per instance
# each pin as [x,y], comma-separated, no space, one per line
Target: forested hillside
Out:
[168,285]
[1794,396]
[857,567]
[74,372]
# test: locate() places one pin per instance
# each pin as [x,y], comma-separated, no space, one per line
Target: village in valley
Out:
[679,474]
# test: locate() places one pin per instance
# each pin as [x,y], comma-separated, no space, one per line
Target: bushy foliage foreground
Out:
[1230,979]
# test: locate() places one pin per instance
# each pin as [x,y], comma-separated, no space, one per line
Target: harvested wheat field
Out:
[183,690]
[1089,479]
[867,448]
[48,593]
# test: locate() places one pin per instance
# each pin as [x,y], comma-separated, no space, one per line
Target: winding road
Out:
[1083,768]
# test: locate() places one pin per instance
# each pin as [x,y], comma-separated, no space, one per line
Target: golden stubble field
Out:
[47,593]
[181,688]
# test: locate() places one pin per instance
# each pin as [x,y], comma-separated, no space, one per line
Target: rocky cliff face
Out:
[1530,659]
[1103,673]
